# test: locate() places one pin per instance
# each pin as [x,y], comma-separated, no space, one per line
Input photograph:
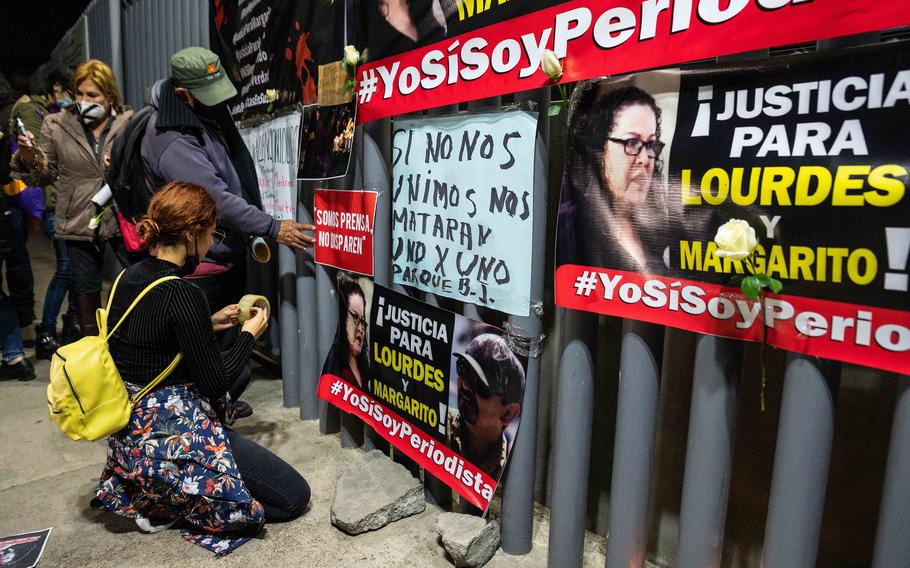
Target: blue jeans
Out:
[62,280]
[10,338]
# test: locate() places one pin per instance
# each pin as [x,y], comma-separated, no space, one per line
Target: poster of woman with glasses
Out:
[349,357]
[615,211]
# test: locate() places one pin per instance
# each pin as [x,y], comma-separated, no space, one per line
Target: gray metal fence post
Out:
[287,287]
[801,458]
[518,495]
[572,439]
[709,454]
[892,545]
[636,425]
[377,139]
[309,366]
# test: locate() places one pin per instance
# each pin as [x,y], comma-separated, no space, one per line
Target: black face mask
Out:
[216,113]
[191,262]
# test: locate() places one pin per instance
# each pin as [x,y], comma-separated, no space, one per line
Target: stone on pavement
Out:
[373,492]
[470,541]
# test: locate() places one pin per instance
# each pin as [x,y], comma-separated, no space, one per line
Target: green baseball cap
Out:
[199,70]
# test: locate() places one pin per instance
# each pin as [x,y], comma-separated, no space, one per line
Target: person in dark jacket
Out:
[191,137]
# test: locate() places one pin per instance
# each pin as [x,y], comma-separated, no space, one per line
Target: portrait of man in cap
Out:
[490,382]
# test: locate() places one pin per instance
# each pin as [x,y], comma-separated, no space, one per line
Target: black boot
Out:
[71,330]
[87,305]
[45,342]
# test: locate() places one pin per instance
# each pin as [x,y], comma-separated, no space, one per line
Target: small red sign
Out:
[344,229]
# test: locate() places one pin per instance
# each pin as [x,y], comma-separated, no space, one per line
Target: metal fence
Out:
[638,360]
[658,473]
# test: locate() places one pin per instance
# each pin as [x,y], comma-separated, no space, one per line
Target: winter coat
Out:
[177,146]
[67,156]
[32,109]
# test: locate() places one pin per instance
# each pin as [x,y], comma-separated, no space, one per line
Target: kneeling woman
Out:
[175,461]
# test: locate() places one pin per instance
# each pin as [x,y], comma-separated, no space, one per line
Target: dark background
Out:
[30,31]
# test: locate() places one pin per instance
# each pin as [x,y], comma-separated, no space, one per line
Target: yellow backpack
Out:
[86,398]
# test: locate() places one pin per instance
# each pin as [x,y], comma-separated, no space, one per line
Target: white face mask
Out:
[90,112]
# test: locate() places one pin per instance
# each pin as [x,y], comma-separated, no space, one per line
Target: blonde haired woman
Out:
[73,147]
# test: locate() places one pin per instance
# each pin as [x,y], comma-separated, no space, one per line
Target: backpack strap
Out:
[136,301]
[163,375]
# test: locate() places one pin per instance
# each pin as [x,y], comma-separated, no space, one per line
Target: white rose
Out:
[735,239]
[550,65]
[351,56]
[94,223]
[271,95]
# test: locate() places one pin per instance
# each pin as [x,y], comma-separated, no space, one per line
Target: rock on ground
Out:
[373,492]
[470,541]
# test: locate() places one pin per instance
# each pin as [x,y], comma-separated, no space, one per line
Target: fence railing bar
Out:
[709,451]
[572,439]
[801,459]
[518,493]
[308,364]
[377,140]
[287,293]
[636,428]
[892,547]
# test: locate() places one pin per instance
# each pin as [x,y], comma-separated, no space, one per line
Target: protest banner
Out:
[23,550]
[443,389]
[327,141]
[276,44]
[462,200]
[811,151]
[593,39]
[344,229]
[273,145]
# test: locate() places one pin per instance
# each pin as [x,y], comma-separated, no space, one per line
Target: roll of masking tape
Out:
[251,301]
[260,250]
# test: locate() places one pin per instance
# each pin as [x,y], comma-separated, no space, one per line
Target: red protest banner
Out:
[469,481]
[865,335]
[593,39]
[344,229]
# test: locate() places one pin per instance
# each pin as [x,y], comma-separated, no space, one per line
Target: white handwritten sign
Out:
[274,146]
[462,198]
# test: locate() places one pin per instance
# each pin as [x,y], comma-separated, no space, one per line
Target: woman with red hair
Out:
[175,461]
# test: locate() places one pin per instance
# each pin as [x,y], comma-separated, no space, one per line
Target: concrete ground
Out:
[47,480]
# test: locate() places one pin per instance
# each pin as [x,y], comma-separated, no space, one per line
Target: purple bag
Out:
[31,201]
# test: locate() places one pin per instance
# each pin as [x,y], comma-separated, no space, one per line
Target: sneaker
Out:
[45,342]
[22,371]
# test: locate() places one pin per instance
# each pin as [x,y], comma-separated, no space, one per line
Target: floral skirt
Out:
[173,462]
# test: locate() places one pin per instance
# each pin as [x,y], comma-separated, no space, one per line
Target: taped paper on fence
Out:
[444,389]
[463,204]
[273,146]
[811,151]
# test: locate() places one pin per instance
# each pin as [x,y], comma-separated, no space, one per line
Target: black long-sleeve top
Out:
[171,318]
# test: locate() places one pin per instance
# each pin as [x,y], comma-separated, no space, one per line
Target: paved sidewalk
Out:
[46,480]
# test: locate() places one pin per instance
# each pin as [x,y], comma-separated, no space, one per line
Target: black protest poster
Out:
[808,153]
[23,550]
[442,388]
[275,45]
[389,28]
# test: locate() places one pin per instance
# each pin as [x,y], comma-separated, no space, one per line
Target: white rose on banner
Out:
[351,57]
[735,240]
[550,65]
